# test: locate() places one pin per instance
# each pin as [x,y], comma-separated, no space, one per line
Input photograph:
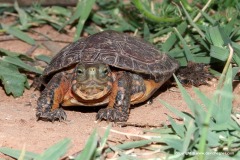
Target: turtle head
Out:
[92,80]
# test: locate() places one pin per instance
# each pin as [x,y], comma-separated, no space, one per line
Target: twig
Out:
[31,50]
[125,124]
[133,135]
[73,156]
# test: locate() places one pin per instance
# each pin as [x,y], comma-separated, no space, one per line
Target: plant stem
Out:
[138,4]
[223,75]
[203,9]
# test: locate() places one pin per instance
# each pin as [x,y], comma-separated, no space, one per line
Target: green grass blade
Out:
[8,53]
[174,143]
[226,98]
[219,53]
[206,101]
[195,108]
[44,58]
[56,151]
[202,42]
[130,145]
[179,129]
[205,128]
[76,14]
[170,42]
[103,141]
[192,23]
[90,148]
[189,133]
[57,10]
[235,71]
[176,112]
[146,32]
[85,10]
[22,15]
[16,153]
[187,51]
[20,63]
[21,56]
[154,18]
[209,18]
[19,34]
[216,37]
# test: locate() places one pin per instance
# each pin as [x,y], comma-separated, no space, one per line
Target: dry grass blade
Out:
[133,135]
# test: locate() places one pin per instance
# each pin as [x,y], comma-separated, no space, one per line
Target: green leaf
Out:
[56,151]
[179,129]
[19,34]
[103,141]
[82,12]
[205,101]
[15,54]
[209,18]
[59,11]
[176,144]
[213,139]
[235,71]
[193,23]
[170,42]
[216,36]
[22,15]
[89,148]
[44,58]
[8,53]
[150,16]
[189,133]
[219,53]
[16,153]
[20,63]
[187,51]
[176,112]
[134,144]
[226,99]
[195,108]
[146,32]
[13,81]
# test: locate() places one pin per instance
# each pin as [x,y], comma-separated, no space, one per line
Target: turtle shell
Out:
[115,49]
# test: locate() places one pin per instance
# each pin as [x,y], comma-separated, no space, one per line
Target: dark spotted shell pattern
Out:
[118,50]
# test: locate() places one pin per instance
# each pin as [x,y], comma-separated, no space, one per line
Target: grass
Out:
[210,131]
[201,31]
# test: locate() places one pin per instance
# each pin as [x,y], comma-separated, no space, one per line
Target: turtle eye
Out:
[105,71]
[80,71]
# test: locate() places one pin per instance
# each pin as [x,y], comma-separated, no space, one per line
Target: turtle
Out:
[109,69]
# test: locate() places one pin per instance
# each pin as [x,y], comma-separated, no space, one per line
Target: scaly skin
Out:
[118,107]
[51,97]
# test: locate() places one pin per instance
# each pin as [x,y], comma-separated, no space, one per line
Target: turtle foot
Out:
[57,114]
[111,114]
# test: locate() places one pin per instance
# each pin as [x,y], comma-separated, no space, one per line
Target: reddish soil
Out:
[19,127]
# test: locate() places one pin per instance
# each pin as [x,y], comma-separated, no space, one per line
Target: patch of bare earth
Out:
[19,127]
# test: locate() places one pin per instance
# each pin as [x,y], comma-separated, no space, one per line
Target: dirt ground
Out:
[19,127]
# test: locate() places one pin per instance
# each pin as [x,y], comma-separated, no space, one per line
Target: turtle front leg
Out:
[119,102]
[51,97]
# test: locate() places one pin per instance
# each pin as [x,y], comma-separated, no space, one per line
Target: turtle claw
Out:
[57,114]
[111,114]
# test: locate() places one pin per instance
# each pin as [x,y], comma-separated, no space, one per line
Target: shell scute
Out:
[118,50]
